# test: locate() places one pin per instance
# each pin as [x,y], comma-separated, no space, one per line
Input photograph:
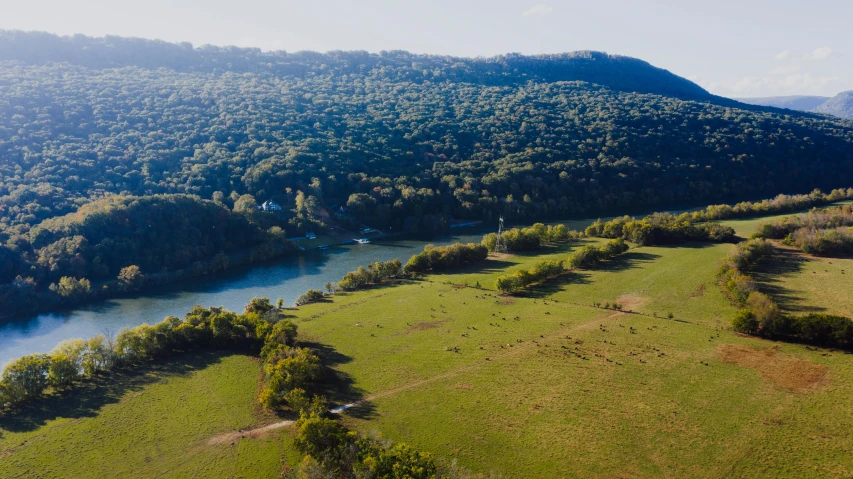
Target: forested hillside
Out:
[120,243]
[401,139]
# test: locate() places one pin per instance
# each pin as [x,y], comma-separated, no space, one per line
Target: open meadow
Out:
[549,383]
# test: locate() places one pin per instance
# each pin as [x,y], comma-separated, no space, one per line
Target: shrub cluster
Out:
[258,329]
[528,239]
[439,258]
[661,228]
[591,256]
[816,328]
[541,271]
[374,273]
[331,450]
[310,296]
[778,205]
[828,242]
[732,272]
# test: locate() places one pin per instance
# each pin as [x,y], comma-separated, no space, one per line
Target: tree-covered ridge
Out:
[613,71]
[69,134]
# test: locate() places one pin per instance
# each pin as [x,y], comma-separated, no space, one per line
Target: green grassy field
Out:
[154,423]
[539,385]
[667,399]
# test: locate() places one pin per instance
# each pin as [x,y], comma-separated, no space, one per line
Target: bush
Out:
[591,256]
[374,273]
[25,378]
[444,258]
[541,271]
[310,296]
[662,228]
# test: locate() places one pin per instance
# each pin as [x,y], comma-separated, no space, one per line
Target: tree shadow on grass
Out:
[767,274]
[627,260]
[339,387]
[556,285]
[88,397]
[491,265]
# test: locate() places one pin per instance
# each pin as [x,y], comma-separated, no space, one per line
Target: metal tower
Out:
[500,246]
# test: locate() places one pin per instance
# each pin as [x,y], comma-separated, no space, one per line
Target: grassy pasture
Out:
[540,385]
[665,400]
[152,423]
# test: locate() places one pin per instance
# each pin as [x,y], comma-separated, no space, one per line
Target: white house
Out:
[270,205]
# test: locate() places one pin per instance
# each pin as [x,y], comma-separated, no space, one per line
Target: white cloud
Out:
[818,54]
[775,83]
[538,9]
[785,69]
[821,53]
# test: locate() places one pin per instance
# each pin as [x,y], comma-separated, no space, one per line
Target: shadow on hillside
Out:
[556,285]
[339,387]
[767,273]
[89,397]
[628,260]
[491,265]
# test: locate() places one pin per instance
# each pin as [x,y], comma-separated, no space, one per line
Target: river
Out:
[285,278]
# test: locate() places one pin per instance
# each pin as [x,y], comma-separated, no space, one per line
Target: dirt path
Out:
[231,437]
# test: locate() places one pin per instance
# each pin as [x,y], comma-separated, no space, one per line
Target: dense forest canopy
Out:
[402,140]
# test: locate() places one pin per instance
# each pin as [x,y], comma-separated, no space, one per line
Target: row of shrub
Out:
[816,219]
[532,238]
[442,258]
[823,232]
[541,271]
[778,205]
[661,228]
[829,242]
[732,272]
[332,451]
[815,328]
[258,330]
[760,315]
[591,256]
[373,274]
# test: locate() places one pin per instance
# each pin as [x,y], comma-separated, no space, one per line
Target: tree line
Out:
[586,257]
[442,258]
[821,232]
[529,239]
[331,450]
[289,370]
[760,315]
[662,228]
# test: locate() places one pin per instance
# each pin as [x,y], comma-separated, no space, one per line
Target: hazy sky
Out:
[731,47]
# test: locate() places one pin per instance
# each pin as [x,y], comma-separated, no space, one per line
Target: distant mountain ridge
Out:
[840,105]
[617,72]
[795,102]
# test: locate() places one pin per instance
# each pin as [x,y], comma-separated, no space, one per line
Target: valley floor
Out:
[541,385]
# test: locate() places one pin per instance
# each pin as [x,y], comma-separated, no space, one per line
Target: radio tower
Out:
[500,246]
